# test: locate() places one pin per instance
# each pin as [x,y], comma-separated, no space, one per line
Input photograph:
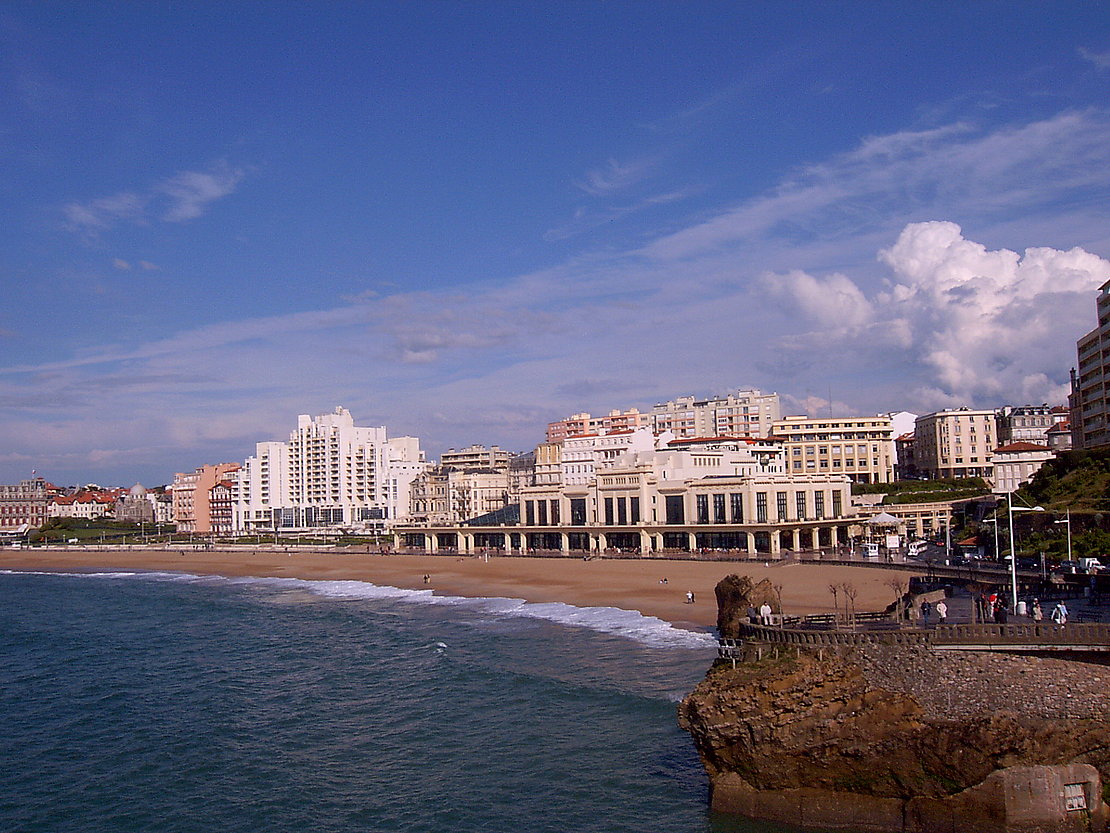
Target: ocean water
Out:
[170,703]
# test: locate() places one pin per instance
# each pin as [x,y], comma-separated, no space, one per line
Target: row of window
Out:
[717,508]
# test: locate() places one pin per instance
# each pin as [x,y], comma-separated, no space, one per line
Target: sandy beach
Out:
[630,584]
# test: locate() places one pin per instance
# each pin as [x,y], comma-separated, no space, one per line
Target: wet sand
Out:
[633,584]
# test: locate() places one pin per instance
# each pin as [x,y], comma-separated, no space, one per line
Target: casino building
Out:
[727,494]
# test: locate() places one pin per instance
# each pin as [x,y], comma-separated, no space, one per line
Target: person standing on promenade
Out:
[926,609]
[942,612]
[1036,612]
[1060,614]
[765,614]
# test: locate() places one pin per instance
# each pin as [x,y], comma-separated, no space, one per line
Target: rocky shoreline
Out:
[902,738]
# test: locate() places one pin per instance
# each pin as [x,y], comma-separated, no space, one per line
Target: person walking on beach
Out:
[689,597]
[942,612]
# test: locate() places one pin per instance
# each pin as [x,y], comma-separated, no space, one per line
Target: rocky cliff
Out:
[898,738]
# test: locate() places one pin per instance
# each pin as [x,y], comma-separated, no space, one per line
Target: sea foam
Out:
[630,624]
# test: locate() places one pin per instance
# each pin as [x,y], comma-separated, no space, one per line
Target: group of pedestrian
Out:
[940,608]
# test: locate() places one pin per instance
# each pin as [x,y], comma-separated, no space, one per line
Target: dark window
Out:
[542,506]
[634,509]
[838,506]
[719,509]
[702,504]
[529,512]
[555,513]
[676,511]
[780,505]
[737,501]
[761,507]
[578,511]
[609,511]
[622,511]
[800,500]
[819,504]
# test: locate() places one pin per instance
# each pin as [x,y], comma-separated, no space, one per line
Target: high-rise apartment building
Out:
[1089,401]
[578,424]
[742,413]
[956,443]
[330,473]
[860,447]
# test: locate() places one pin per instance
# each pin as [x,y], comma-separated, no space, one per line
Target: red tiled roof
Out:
[1022,446]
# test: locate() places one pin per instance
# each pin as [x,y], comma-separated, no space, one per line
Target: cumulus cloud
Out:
[833,302]
[987,326]
[184,196]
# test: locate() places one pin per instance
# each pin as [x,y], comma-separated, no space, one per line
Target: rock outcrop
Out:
[900,738]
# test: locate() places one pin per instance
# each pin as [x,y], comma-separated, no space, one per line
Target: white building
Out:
[330,473]
[583,455]
[1016,463]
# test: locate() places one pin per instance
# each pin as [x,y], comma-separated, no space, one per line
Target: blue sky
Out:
[464,220]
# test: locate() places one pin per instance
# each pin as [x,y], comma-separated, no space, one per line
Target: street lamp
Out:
[995,522]
[1068,522]
[1013,546]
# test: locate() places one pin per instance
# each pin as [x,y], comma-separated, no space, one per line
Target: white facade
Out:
[583,455]
[1016,463]
[330,473]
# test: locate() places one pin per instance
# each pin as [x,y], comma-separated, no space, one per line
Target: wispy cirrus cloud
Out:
[1099,59]
[616,176]
[184,196]
[956,169]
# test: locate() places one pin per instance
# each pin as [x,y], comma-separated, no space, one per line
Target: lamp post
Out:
[994,521]
[1013,546]
[1068,522]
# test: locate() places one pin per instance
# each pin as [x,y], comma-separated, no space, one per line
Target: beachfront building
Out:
[584,423]
[715,493]
[85,504]
[1016,463]
[1089,401]
[135,506]
[448,495]
[24,504]
[860,447]
[956,443]
[746,412]
[192,496]
[329,474]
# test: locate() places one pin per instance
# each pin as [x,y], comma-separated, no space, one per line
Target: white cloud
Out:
[894,179]
[184,196]
[190,192]
[1099,59]
[615,176]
